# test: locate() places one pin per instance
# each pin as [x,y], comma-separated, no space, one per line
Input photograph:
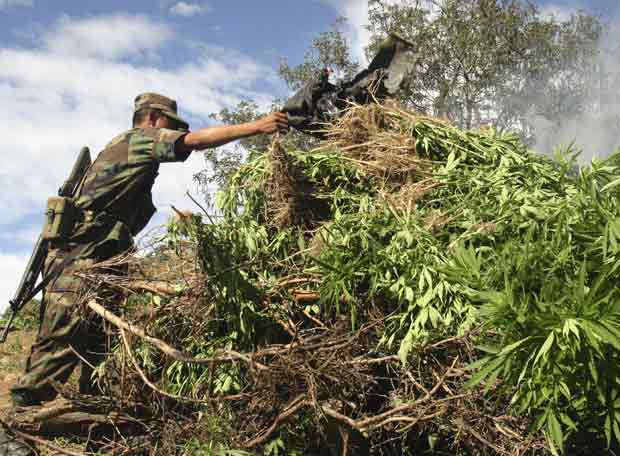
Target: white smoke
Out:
[596,131]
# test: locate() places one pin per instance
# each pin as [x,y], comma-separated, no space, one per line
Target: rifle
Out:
[27,289]
[320,102]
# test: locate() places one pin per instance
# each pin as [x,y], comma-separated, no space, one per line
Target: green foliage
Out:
[522,244]
[196,447]
[275,448]
[222,162]
[552,293]
[328,50]
[26,319]
[495,62]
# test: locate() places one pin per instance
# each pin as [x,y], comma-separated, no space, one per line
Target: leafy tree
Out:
[223,161]
[491,61]
[481,62]
[329,49]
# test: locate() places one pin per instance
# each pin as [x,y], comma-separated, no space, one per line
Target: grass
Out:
[26,319]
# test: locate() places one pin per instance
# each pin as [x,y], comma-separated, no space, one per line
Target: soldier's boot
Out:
[13,446]
[22,397]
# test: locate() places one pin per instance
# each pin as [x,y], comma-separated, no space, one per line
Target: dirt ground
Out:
[13,355]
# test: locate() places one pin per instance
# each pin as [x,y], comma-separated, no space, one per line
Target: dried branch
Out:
[161,288]
[368,361]
[371,421]
[228,355]
[294,406]
[151,384]
[49,445]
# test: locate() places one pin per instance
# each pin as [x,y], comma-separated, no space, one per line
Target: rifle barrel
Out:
[79,168]
[27,290]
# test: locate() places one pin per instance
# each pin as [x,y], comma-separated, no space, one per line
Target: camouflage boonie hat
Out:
[156,101]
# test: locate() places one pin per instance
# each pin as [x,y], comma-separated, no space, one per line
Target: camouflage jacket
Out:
[116,194]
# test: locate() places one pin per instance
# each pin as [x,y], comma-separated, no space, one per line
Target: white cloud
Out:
[54,103]
[8,3]
[11,269]
[111,37]
[188,9]
[25,237]
[356,12]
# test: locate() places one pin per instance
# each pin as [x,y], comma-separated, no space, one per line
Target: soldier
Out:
[114,204]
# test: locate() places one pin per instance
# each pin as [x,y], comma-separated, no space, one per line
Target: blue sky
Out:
[69,71]
[254,28]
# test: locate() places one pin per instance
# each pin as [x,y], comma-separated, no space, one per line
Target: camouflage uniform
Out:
[115,203]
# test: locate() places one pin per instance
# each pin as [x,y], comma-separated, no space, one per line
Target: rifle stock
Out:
[27,283]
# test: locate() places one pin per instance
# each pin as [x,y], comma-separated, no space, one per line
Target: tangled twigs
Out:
[158,390]
[150,384]
[158,287]
[483,440]
[362,425]
[161,288]
[228,355]
[298,403]
[325,370]
[428,408]
[387,417]
[415,421]
[40,441]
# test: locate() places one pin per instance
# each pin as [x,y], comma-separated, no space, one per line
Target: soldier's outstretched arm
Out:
[220,135]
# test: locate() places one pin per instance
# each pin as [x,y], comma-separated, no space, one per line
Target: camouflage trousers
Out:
[67,338]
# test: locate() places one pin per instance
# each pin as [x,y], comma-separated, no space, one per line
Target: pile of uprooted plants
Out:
[405,288]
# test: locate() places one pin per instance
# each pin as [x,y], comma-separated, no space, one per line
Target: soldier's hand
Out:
[276,121]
